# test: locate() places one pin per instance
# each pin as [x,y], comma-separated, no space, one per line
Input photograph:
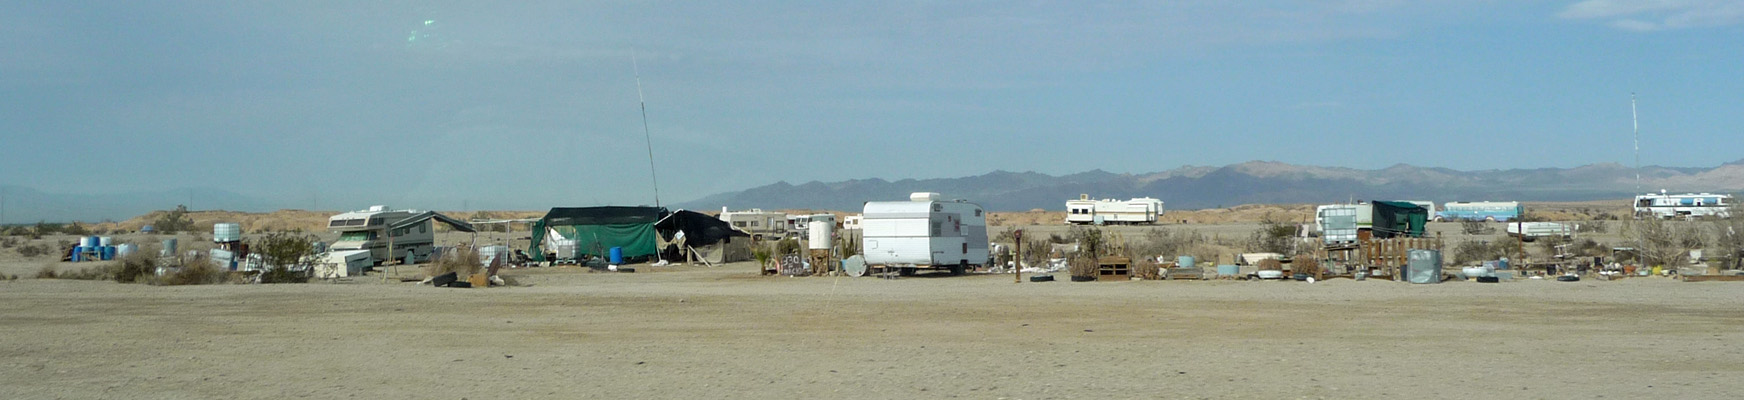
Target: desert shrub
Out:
[462,261]
[198,273]
[1591,227]
[1480,250]
[1276,235]
[787,246]
[174,221]
[288,256]
[1270,264]
[45,228]
[134,266]
[1167,242]
[1476,228]
[47,272]
[1082,266]
[1147,269]
[35,250]
[1305,265]
[75,229]
[8,243]
[1091,242]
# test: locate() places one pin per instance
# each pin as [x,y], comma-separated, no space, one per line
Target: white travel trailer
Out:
[1689,205]
[756,222]
[1142,210]
[377,229]
[1535,230]
[924,232]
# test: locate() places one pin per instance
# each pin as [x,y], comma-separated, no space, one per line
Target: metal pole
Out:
[1017,258]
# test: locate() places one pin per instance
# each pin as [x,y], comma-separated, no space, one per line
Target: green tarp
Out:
[598,229]
[1399,219]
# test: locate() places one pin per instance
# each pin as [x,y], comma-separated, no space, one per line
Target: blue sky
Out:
[437,104]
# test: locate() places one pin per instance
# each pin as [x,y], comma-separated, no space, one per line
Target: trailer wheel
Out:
[959,269]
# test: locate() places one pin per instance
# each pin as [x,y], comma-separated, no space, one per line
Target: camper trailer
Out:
[756,222]
[1143,210]
[1529,231]
[374,229]
[1689,205]
[924,232]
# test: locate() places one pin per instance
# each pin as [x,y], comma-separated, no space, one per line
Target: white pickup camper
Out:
[377,228]
[924,232]
[1142,210]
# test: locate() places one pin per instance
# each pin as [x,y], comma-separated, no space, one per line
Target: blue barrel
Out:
[78,251]
[1502,264]
[617,255]
[1185,262]
[106,253]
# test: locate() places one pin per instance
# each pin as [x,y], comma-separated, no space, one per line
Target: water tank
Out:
[226,232]
[125,249]
[1228,270]
[488,254]
[1423,266]
[820,234]
[169,247]
[1184,262]
[923,196]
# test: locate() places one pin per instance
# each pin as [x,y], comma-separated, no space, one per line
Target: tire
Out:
[1076,278]
[1488,279]
[1489,219]
[1568,278]
[1042,278]
[444,279]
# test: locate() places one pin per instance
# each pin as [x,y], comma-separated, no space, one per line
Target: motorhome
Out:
[407,232]
[756,222]
[1688,205]
[924,232]
[1479,211]
[1142,210]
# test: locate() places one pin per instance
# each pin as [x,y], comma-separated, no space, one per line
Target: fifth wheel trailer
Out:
[924,232]
[1142,210]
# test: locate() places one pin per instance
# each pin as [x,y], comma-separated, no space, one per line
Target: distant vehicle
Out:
[756,222]
[924,232]
[1535,230]
[1142,210]
[1479,211]
[369,230]
[1689,205]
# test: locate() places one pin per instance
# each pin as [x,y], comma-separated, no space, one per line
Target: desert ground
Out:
[726,332]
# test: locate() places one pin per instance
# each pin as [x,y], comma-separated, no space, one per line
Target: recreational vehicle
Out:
[407,232]
[1529,231]
[1478,211]
[1143,210]
[924,232]
[1689,205]
[756,222]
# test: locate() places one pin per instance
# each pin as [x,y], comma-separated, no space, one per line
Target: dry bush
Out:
[8,243]
[47,272]
[463,261]
[1147,269]
[199,273]
[134,266]
[35,250]
[1306,265]
[1270,264]
[1082,266]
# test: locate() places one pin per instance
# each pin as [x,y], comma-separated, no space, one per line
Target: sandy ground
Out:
[693,332]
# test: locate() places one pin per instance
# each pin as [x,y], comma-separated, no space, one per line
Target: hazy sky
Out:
[436,104]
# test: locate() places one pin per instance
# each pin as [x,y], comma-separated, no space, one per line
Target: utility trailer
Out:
[924,232]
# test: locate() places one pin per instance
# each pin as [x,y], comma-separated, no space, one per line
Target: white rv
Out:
[756,222]
[1535,230]
[924,232]
[1689,205]
[409,232]
[1143,210]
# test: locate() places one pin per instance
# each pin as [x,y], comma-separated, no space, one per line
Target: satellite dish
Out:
[854,266]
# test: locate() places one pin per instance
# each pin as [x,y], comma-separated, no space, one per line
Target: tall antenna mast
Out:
[650,138]
[1635,119]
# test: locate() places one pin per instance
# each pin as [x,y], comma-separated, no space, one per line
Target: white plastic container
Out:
[226,232]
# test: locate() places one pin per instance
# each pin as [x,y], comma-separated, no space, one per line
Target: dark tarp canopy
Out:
[598,229]
[699,229]
[428,215]
[1399,219]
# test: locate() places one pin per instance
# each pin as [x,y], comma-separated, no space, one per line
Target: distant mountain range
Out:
[1253,182]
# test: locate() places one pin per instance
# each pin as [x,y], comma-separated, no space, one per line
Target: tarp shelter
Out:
[708,237]
[1399,219]
[598,229]
[419,218]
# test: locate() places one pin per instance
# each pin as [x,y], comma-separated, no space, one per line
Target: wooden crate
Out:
[1113,269]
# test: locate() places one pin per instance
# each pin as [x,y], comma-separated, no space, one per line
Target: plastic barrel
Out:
[1184,262]
[617,255]
[106,252]
[105,241]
